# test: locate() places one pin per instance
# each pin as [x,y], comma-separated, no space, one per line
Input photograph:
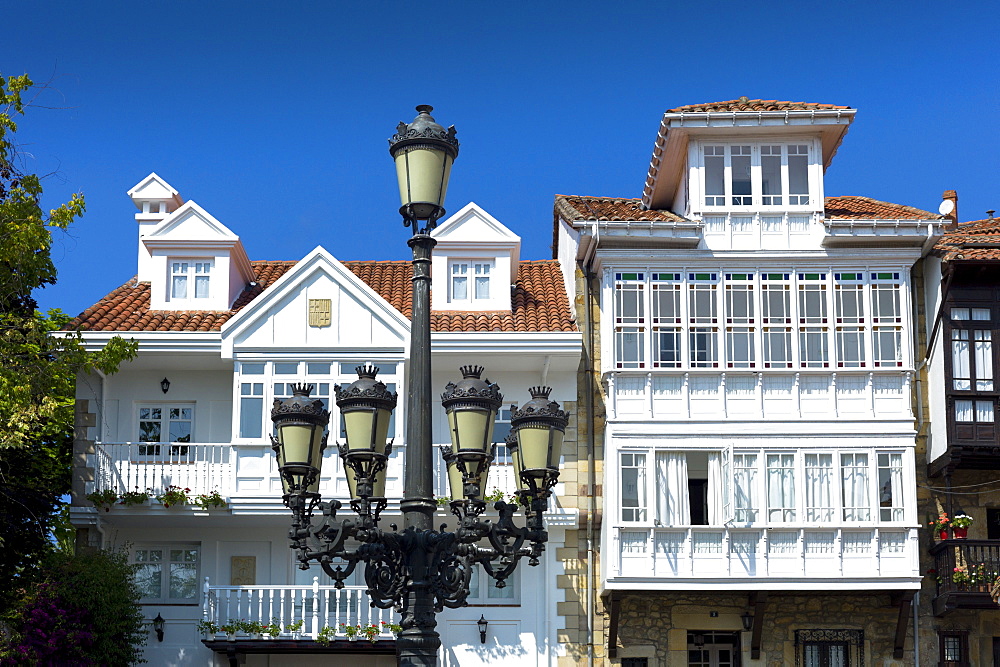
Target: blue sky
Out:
[274,116]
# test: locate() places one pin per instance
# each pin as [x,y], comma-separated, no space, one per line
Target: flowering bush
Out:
[961,521]
[173,495]
[55,633]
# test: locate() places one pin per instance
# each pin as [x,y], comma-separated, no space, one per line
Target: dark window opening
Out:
[698,495]
[713,649]
[993,523]
[954,649]
[635,662]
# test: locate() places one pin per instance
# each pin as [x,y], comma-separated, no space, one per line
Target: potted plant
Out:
[940,525]
[326,634]
[351,631]
[271,630]
[105,499]
[230,627]
[295,628]
[394,628]
[961,576]
[208,501]
[252,628]
[370,632]
[173,495]
[960,526]
[208,628]
[137,497]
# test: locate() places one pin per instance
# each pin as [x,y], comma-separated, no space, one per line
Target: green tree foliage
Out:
[38,362]
[84,611]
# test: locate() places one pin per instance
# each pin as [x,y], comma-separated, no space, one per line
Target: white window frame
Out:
[476,273]
[755,510]
[194,271]
[642,338]
[732,151]
[166,548]
[154,447]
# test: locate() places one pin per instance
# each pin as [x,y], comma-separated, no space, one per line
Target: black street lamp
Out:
[418,570]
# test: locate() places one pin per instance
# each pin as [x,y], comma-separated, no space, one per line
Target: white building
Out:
[756,359]
[221,336]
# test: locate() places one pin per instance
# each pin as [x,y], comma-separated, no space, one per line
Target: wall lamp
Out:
[747,619]
[158,626]
[165,385]
[483,624]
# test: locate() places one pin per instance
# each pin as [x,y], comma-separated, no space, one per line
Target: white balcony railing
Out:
[314,605]
[238,469]
[679,555]
[201,467]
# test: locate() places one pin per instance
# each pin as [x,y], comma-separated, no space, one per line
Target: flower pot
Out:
[352,638]
[960,533]
[944,534]
[231,636]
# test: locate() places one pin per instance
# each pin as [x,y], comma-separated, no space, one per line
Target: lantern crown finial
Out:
[539,391]
[472,371]
[302,389]
[367,371]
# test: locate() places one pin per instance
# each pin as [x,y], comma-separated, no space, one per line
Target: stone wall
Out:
[657,624]
[584,491]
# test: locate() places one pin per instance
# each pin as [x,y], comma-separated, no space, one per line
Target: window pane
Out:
[984,359]
[633,491]
[286,368]
[887,344]
[781,487]
[183,581]
[984,412]
[715,174]
[149,578]
[849,304]
[318,368]
[813,352]
[251,417]
[963,411]
[777,347]
[704,350]
[629,347]
[180,431]
[776,304]
[739,348]
[745,487]
[740,163]
[890,485]
[812,304]
[459,288]
[201,287]
[798,174]
[770,168]
[666,304]
[483,290]
[178,287]
[980,313]
[819,487]
[149,431]
[959,313]
[854,471]
[850,347]
[667,348]
[961,366]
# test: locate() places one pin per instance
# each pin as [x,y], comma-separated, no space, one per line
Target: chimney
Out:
[949,208]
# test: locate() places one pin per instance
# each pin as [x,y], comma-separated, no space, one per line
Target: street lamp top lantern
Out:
[424,152]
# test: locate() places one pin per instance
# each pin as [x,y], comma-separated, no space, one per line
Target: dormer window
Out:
[756,174]
[190,279]
[470,280]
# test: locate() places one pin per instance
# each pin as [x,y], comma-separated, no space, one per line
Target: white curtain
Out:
[715,489]
[819,480]
[673,505]
[856,502]
[781,487]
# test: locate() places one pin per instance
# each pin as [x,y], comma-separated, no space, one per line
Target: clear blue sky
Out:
[274,116]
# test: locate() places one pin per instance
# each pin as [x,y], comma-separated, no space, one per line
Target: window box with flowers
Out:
[210,501]
[173,495]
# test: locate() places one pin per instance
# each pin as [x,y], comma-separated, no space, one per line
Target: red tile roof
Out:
[745,104]
[573,207]
[975,240]
[538,302]
[849,207]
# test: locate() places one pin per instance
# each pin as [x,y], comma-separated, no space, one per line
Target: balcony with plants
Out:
[964,570]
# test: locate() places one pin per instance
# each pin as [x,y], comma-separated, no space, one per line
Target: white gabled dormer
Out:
[190,260]
[474,263]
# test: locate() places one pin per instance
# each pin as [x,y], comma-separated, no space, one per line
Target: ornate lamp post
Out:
[418,570]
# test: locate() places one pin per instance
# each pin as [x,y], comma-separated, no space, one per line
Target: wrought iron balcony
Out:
[965,571]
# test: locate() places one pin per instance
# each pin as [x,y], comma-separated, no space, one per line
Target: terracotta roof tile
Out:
[975,240]
[613,209]
[850,207]
[745,104]
[616,209]
[538,302]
